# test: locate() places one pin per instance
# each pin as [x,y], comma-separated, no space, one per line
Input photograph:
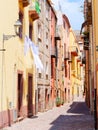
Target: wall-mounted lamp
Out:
[17,25]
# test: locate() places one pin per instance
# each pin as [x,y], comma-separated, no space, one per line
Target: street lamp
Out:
[17,25]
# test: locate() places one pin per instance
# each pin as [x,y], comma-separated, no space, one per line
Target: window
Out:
[46,39]
[30,31]
[47,12]
[64,24]
[46,70]
[39,31]
[21,20]
[46,76]
[39,42]
[39,75]
[65,69]
[69,71]
[46,67]
[39,94]
[52,68]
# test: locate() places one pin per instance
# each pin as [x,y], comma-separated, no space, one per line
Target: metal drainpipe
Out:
[94,51]
[2,82]
[90,70]
[43,104]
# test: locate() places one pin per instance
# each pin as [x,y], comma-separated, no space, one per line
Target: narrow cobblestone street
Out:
[71,116]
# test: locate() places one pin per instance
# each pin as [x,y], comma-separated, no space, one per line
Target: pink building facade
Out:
[53,56]
[67,58]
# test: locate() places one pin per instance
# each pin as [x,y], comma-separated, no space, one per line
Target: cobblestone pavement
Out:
[73,116]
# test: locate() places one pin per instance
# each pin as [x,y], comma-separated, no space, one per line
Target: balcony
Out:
[86,44]
[84,60]
[86,47]
[81,64]
[74,50]
[57,35]
[85,37]
[88,12]
[79,59]
[53,52]
[66,55]
[25,2]
[69,61]
[34,10]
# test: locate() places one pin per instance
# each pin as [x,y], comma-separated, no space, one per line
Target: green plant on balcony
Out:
[62,102]
[58,101]
[37,7]
[86,33]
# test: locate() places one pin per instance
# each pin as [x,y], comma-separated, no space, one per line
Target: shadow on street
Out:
[79,108]
[76,118]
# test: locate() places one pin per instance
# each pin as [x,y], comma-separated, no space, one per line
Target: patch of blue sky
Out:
[73,0]
[72,9]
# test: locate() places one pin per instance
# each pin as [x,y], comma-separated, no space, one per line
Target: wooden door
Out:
[20,93]
[30,106]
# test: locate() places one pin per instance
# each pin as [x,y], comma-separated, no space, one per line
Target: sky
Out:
[72,9]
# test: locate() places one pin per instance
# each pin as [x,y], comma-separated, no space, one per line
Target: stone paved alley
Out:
[71,116]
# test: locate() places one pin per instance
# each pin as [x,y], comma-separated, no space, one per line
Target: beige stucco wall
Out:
[14,59]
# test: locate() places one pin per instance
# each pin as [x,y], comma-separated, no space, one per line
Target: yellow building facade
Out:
[95,46]
[16,69]
[76,85]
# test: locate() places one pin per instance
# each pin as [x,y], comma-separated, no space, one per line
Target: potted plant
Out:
[58,101]
[62,102]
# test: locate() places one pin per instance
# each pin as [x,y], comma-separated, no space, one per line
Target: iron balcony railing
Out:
[34,10]
[74,50]
[84,60]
